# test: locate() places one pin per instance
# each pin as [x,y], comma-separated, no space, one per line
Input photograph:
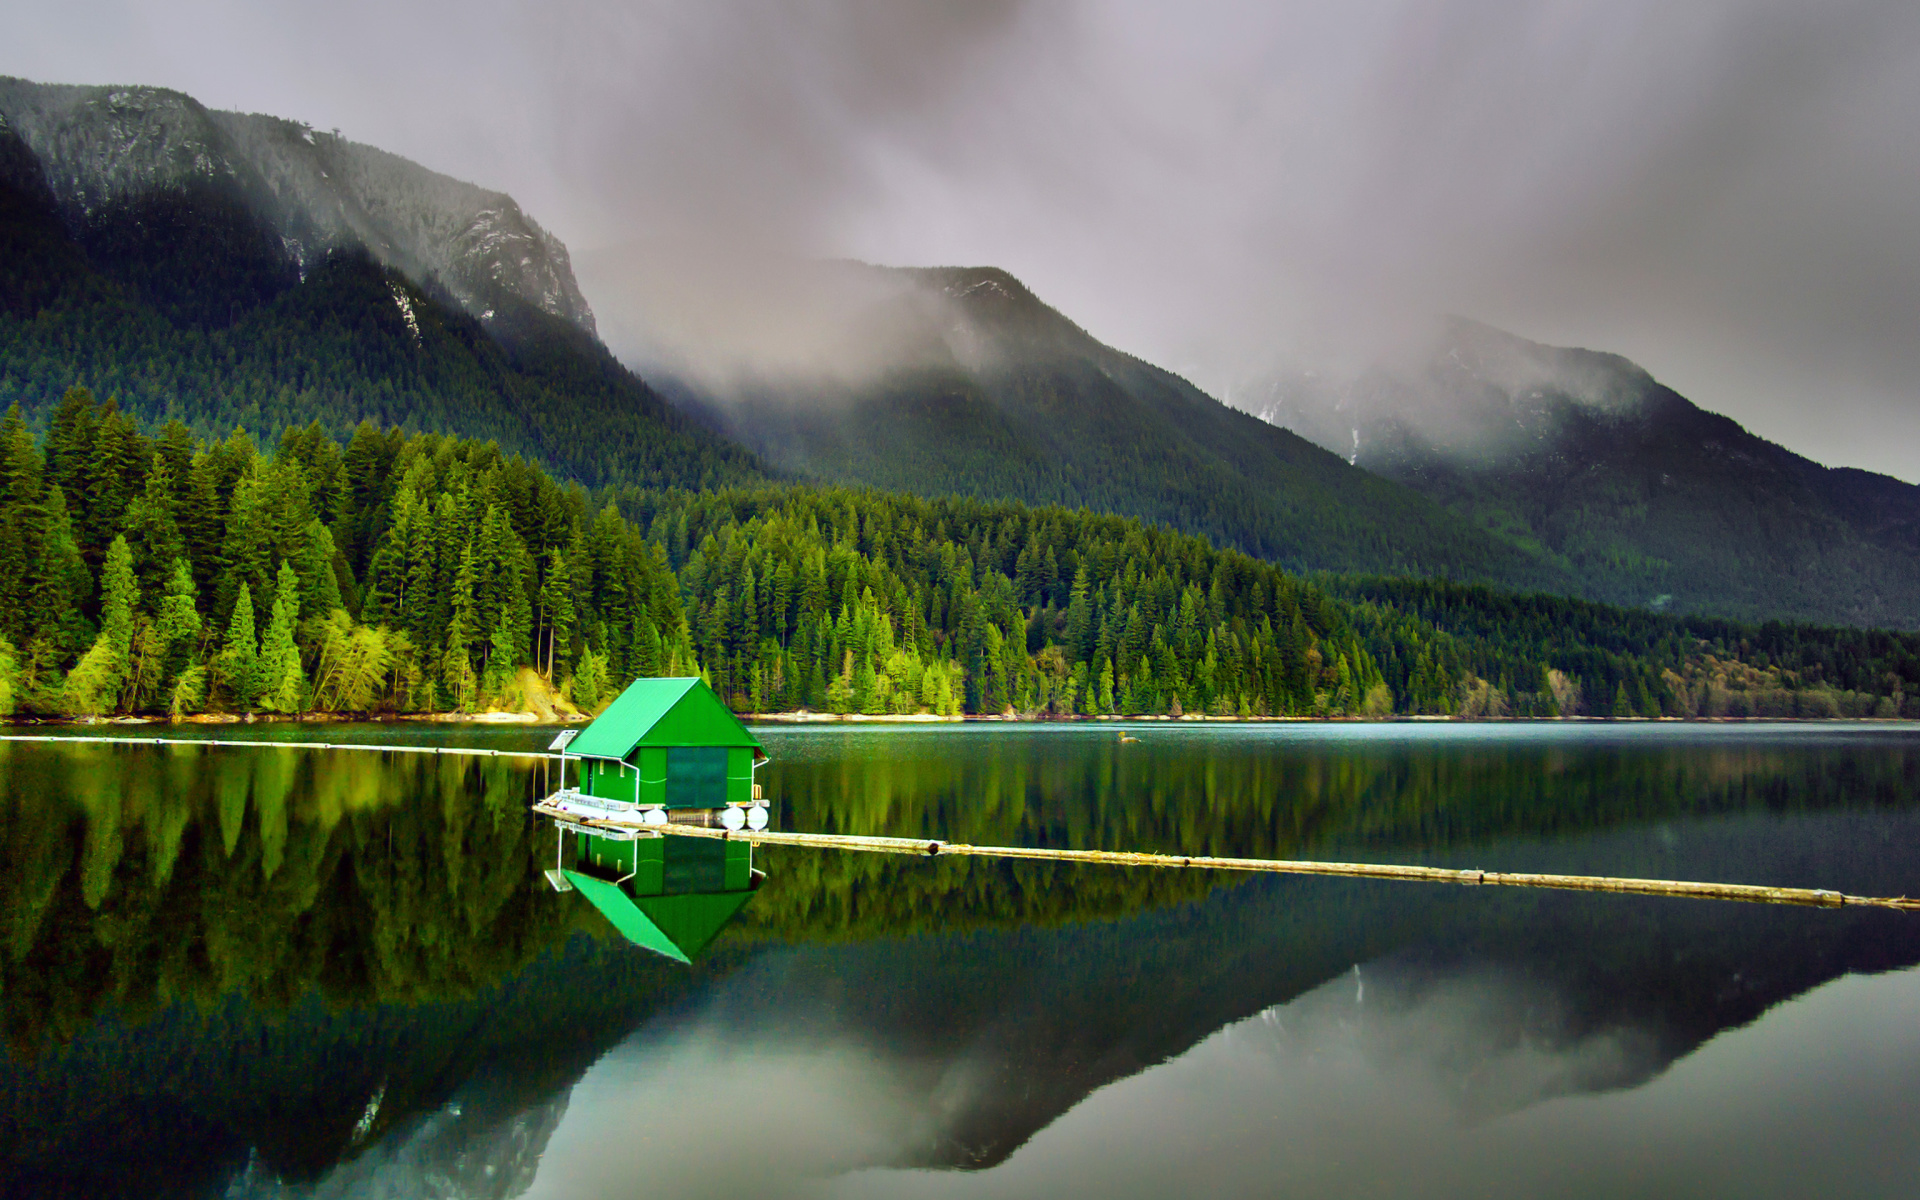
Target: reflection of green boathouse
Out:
[667,750]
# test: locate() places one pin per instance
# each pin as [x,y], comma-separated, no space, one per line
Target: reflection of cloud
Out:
[1328,1097]
[786,1098]
[1487,1043]
[692,1111]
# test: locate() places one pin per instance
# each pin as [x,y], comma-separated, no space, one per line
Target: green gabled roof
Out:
[678,927]
[661,712]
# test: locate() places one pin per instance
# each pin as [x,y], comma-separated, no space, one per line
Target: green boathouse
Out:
[671,743]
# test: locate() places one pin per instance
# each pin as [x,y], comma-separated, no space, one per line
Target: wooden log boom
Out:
[924,848]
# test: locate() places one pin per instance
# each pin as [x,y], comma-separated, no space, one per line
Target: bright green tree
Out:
[95,682]
[239,661]
[282,683]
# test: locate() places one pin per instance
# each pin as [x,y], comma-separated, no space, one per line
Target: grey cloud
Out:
[1723,191]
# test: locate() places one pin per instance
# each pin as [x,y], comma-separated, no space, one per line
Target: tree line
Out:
[163,573]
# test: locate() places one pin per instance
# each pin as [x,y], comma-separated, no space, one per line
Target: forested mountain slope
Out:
[1641,496]
[184,301]
[985,391]
[143,573]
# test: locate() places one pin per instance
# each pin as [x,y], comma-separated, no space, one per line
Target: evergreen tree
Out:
[153,533]
[95,682]
[239,661]
[178,627]
[20,509]
[557,614]
[60,586]
[589,680]
[463,631]
[477,564]
[10,680]
[282,683]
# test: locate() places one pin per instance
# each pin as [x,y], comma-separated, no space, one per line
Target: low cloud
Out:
[1723,191]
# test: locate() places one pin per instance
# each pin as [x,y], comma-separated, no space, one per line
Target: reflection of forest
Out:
[281,932]
[142,877]
[138,877]
[1195,794]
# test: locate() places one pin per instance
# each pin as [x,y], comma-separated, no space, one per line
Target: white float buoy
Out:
[732,818]
[757,817]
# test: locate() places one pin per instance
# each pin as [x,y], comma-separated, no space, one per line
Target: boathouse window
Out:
[696,776]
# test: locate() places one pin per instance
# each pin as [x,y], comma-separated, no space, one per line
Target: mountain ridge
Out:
[184,304]
[993,393]
[103,148]
[1644,497]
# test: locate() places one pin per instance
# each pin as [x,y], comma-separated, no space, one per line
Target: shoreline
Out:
[804,717]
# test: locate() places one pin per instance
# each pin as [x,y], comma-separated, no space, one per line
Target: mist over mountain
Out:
[227,269]
[1640,495]
[962,381]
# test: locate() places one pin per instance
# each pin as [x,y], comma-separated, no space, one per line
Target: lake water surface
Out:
[291,972]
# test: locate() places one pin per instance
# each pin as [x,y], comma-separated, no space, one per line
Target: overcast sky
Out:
[1728,193]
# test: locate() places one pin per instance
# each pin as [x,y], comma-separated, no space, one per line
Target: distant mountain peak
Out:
[1585,459]
[1514,366]
[318,193]
[999,309]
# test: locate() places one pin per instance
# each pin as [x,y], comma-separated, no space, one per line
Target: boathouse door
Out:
[696,776]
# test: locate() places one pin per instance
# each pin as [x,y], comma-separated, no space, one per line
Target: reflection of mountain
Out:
[275,961]
[1035,1020]
[209,955]
[443,1094]
[449,1155]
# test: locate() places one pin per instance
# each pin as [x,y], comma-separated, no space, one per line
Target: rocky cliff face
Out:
[103,149]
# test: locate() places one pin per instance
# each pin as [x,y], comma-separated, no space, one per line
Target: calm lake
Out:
[288,972]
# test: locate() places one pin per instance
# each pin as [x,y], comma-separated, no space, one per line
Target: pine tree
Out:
[95,682]
[10,678]
[463,631]
[178,613]
[1080,631]
[557,614]
[20,507]
[317,569]
[239,657]
[589,679]
[177,626]
[59,588]
[282,683]
[153,532]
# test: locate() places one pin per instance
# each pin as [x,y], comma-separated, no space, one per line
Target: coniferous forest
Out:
[154,572]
